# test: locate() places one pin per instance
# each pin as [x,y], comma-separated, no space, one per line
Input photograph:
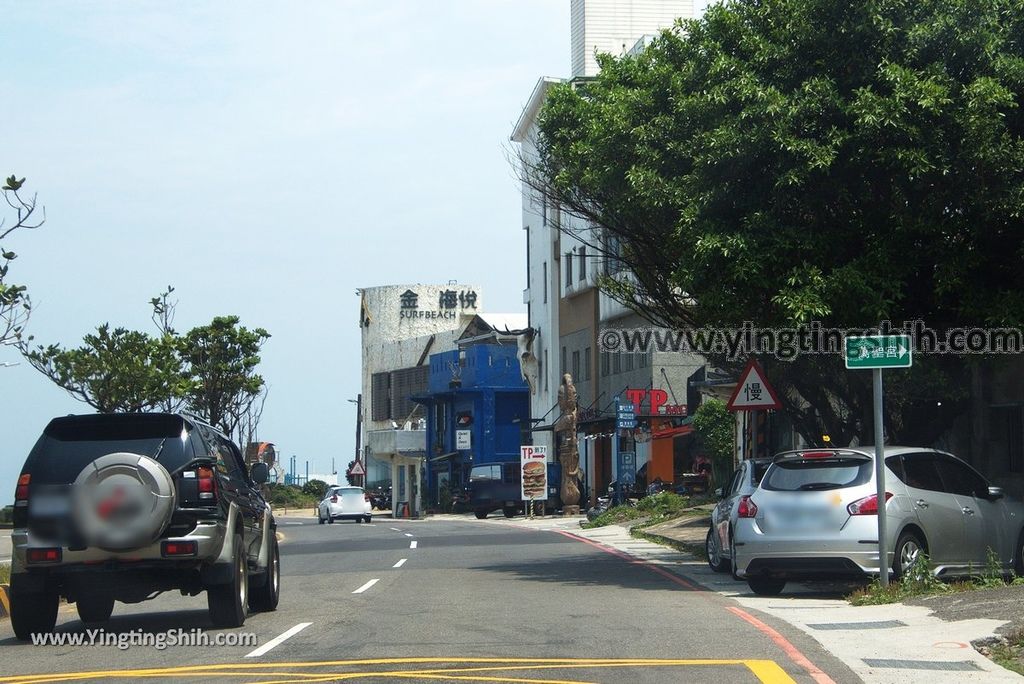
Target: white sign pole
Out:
[883,551]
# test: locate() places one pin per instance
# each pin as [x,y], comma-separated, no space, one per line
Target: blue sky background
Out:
[266,160]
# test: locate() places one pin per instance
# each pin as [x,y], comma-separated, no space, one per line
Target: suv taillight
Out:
[21,491]
[747,509]
[866,506]
[207,483]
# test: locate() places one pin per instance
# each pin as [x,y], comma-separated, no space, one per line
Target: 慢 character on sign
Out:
[448,299]
[753,391]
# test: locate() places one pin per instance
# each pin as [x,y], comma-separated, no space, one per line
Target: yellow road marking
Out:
[766,671]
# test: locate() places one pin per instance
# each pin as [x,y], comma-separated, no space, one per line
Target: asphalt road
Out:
[439,600]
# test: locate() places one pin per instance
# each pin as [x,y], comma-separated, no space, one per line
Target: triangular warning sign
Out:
[356,469]
[753,393]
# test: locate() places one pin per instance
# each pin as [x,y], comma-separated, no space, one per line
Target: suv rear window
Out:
[71,443]
[812,475]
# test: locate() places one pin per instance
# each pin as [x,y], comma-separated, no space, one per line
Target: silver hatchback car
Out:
[815,512]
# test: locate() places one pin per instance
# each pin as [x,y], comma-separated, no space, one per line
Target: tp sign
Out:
[533,464]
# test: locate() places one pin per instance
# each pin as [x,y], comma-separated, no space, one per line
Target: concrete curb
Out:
[5,601]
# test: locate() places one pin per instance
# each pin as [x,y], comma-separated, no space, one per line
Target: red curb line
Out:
[791,651]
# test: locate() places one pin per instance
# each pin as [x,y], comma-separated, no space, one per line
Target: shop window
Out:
[576,365]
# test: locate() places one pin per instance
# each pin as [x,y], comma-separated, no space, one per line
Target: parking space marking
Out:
[412,545]
[396,529]
[278,640]
[400,563]
[366,586]
[407,534]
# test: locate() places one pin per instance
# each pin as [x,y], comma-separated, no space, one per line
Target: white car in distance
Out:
[345,503]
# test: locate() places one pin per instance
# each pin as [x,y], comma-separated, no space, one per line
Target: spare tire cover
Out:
[122,501]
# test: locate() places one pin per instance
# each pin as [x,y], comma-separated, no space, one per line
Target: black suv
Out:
[125,506]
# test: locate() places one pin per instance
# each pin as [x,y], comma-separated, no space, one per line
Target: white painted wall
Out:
[614,26]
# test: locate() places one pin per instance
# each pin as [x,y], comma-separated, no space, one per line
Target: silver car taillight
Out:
[866,506]
[747,508]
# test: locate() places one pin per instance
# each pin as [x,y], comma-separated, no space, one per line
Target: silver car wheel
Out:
[712,548]
[908,555]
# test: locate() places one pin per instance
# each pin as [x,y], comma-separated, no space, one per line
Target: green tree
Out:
[716,431]
[15,305]
[783,161]
[210,370]
[221,360]
[315,488]
[113,371]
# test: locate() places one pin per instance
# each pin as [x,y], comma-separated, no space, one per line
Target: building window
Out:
[617,362]
[583,263]
[586,363]
[544,208]
[545,278]
[576,365]
[613,255]
[562,368]
[541,370]
[568,269]
[405,383]
[605,363]
[643,360]
[380,396]
[629,362]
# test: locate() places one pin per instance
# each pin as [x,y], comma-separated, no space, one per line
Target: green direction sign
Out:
[878,351]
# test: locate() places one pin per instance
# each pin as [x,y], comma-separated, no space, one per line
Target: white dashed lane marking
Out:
[366,586]
[278,640]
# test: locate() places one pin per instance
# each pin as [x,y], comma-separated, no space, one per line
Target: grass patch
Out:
[1007,652]
[920,581]
[653,509]
[5,573]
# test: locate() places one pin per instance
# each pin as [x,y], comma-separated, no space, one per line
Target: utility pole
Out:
[359,415]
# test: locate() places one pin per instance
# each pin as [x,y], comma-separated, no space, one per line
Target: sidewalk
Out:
[904,643]
[881,644]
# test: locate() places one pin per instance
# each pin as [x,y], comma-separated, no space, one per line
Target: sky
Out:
[265,159]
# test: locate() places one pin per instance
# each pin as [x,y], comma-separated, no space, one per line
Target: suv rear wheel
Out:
[229,603]
[32,612]
[95,607]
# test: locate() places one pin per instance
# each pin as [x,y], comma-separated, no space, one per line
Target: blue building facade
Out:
[478,406]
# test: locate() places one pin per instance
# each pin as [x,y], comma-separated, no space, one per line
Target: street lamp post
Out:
[358,401]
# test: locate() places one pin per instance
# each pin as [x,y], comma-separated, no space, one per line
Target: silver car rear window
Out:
[814,475]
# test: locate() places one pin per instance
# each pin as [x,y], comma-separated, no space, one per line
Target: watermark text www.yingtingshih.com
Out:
[171,638]
[813,338]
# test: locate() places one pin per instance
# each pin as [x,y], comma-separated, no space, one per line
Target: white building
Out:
[564,306]
[401,326]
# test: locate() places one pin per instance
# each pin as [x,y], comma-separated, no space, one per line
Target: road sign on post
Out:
[753,393]
[625,416]
[876,352]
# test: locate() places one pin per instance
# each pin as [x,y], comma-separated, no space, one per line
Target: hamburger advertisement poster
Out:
[534,472]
